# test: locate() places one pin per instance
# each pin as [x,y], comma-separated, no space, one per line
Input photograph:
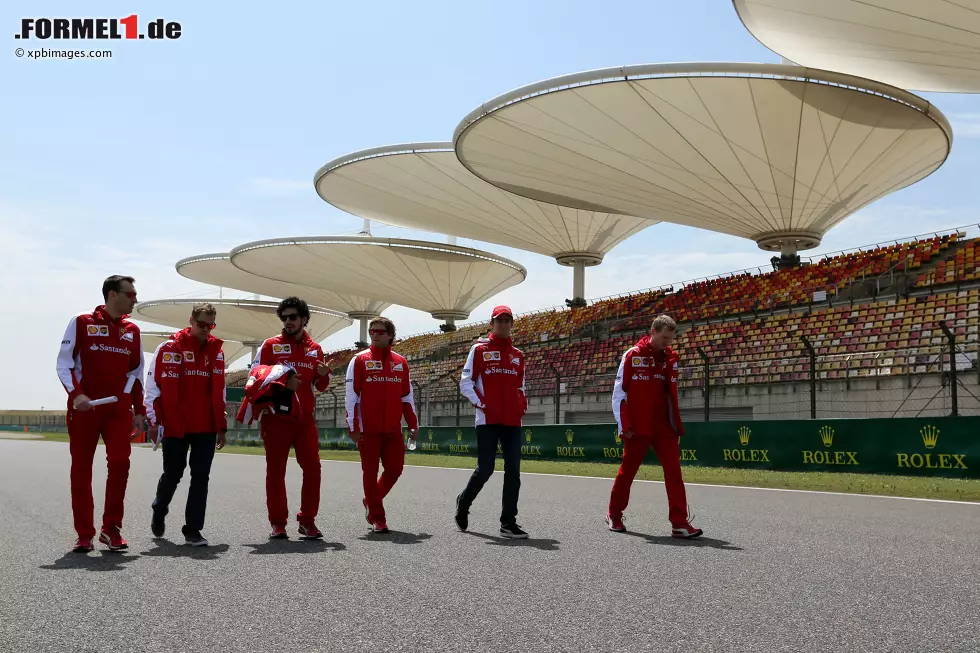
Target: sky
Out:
[175,148]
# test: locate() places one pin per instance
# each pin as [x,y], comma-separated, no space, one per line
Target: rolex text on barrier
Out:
[941,446]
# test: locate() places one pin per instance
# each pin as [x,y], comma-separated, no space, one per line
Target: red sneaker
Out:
[310,532]
[278,533]
[615,524]
[112,539]
[367,513]
[381,527]
[83,545]
[687,531]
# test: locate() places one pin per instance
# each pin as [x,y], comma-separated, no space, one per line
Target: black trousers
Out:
[487,438]
[201,447]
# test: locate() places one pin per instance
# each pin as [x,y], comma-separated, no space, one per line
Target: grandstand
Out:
[872,315]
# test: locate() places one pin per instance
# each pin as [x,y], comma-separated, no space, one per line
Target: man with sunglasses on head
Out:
[279,432]
[493,381]
[185,403]
[379,395]
[100,363]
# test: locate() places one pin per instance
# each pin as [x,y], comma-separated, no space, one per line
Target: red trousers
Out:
[667,447]
[389,450]
[114,423]
[278,435]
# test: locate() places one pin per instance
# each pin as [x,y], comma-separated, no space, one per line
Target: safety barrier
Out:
[942,446]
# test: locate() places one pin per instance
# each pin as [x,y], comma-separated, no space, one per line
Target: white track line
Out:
[727,487]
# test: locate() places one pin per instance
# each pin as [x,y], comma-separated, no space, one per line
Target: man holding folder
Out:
[100,364]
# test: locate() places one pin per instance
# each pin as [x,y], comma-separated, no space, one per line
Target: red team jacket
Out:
[185,386]
[493,381]
[266,390]
[645,393]
[102,357]
[303,356]
[379,393]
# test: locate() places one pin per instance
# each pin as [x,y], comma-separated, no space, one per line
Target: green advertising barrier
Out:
[244,437]
[942,446]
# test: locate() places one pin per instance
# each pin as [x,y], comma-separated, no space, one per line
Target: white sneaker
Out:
[686,532]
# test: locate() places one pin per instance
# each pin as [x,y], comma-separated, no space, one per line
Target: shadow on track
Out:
[294,546]
[101,560]
[396,537]
[166,548]
[541,545]
[701,542]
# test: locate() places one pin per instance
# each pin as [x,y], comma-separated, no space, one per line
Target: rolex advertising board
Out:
[941,446]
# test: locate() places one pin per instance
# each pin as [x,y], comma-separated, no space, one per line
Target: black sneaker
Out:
[462,518]
[158,525]
[195,539]
[513,532]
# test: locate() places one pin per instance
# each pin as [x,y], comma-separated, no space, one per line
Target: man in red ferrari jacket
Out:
[280,432]
[106,347]
[493,381]
[185,403]
[379,395]
[648,413]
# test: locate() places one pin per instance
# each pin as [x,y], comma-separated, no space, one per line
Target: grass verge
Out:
[887,485]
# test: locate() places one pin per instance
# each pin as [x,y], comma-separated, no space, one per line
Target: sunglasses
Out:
[205,325]
[377,332]
[131,295]
[287,318]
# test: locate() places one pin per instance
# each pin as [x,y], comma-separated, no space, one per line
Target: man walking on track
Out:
[280,432]
[648,414]
[100,363]
[379,395]
[493,381]
[185,403]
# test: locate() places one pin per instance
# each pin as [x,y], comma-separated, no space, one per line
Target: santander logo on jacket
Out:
[102,357]
[185,386]
[304,356]
[379,392]
[645,393]
[493,381]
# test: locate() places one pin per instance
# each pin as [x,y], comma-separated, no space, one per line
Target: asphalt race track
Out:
[777,571]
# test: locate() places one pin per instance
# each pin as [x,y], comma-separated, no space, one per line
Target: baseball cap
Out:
[501,310]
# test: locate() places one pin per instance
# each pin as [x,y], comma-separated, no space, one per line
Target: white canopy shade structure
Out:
[923,45]
[445,281]
[424,186]
[233,350]
[217,270]
[775,153]
[246,320]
